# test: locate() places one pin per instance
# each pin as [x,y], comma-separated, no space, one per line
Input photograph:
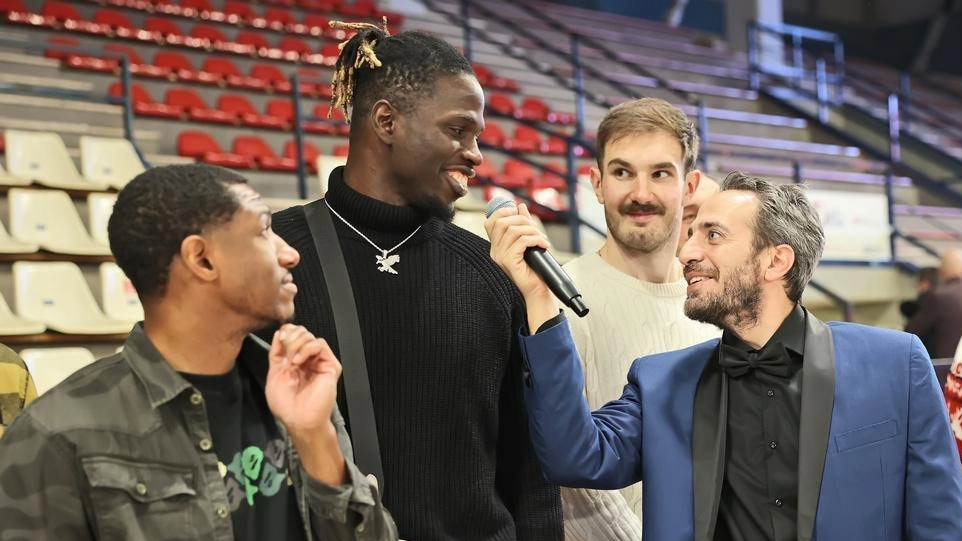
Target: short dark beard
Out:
[737,306]
[434,207]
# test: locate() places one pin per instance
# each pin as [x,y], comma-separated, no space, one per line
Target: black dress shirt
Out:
[759,497]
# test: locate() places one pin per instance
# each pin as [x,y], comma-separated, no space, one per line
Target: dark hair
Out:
[785,216]
[401,69]
[161,207]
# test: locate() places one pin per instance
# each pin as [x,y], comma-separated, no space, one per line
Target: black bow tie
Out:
[771,359]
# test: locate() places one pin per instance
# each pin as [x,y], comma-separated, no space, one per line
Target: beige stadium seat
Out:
[473,221]
[278,204]
[120,299]
[50,366]
[56,294]
[109,161]
[326,164]
[50,219]
[43,158]
[99,207]
[13,325]
[9,245]
[6,179]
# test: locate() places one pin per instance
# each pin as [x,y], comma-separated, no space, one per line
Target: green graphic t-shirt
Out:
[252,458]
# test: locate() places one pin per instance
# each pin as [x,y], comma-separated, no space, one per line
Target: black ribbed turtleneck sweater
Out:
[445,374]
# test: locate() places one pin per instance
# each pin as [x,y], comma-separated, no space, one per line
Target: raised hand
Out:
[512,231]
[301,392]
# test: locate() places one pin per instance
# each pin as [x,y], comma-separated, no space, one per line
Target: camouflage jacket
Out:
[122,450]
[16,387]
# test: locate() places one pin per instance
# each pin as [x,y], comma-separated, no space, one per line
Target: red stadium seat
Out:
[196,107]
[144,104]
[194,8]
[517,174]
[535,109]
[557,146]
[63,47]
[201,146]
[255,148]
[281,108]
[313,24]
[238,12]
[359,8]
[341,150]
[165,28]
[279,19]
[92,63]
[249,115]
[310,154]
[137,65]
[488,79]
[493,135]
[526,139]
[60,11]
[208,33]
[501,103]
[330,52]
[230,74]
[253,39]
[271,75]
[486,171]
[182,68]
[6,6]
[295,45]
[114,22]
[336,120]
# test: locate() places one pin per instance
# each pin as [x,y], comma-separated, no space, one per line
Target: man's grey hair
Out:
[785,216]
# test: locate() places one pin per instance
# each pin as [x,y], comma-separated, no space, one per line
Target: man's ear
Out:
[195,257]
[692,180]
[595,176]
[781,259]
[384,118]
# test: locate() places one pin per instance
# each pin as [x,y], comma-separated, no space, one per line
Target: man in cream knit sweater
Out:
[634,285]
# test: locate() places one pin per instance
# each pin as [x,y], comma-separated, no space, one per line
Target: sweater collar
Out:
[369,213]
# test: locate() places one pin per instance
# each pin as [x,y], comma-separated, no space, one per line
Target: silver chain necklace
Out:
[385,262]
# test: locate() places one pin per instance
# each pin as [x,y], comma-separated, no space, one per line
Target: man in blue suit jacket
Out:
[786,428]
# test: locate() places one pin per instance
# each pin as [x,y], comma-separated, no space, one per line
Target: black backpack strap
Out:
[360,408]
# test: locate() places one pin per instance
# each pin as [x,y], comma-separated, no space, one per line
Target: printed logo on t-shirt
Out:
[255,473]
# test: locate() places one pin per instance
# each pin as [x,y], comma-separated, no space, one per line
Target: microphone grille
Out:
[496,204]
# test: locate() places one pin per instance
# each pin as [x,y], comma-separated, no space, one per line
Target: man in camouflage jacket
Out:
[16,387]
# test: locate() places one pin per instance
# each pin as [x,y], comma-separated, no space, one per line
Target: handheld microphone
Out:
[546,266]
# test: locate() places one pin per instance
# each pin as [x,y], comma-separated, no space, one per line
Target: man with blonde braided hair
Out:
[437,317]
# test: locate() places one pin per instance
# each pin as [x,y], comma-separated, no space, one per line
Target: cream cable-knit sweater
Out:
[628,319]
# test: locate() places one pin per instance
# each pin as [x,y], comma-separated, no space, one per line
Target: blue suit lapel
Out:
[708,446]
[818,398]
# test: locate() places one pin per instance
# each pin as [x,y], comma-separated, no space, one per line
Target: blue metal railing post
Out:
[703,135]
[298,137]
[905,91]
[574,221]
[466,27]
[839,70]
[821,90]
[890,202]
[754,81]
[127,85]
[895,150]
[797,172]
[798,58]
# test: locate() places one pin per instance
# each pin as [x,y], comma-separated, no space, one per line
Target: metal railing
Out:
[812,77]
[126,102]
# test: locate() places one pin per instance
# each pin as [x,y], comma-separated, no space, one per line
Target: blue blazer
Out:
[877,459]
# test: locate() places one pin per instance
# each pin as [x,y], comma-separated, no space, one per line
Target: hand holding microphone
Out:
[520,249]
